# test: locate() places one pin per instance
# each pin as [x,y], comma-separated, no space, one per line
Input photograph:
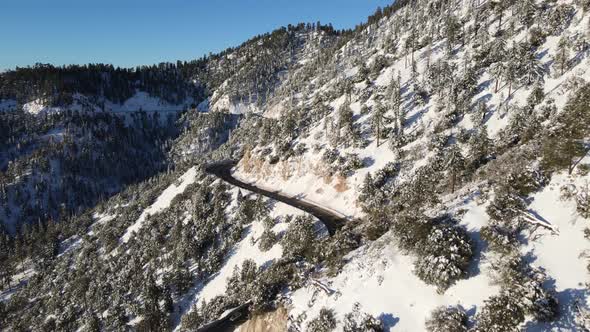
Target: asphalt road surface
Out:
[331,220]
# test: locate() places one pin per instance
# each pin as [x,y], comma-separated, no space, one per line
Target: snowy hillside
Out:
[439,97]
[448,140]
[141,101]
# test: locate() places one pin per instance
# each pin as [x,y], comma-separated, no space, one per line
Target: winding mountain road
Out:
[332,220]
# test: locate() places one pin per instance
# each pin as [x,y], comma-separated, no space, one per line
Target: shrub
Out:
[357,321]
[267,240]
[447,319]
[298,240]
[500,313]
[499,238]
[444,256]
[325,322]
[330,156]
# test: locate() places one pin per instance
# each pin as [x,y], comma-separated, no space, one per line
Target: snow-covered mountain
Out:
[449,138]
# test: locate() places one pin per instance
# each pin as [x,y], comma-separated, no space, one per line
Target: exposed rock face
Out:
[275,321]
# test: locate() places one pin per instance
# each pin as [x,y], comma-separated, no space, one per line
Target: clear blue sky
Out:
[133,32]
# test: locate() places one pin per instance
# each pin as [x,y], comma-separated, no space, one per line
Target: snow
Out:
[7,105]
[163,201]
[143,101]
[225,105]
[563,255]
[56,135]
[18,281]
[247,248]
[37,107]
[140,101]
[381,279]
[377,275]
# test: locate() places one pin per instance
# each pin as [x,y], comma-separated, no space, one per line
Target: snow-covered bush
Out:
[389,171]
[358,321]
[299,238]
[526,286]
[325,322]
[498,238]
[330,156]
[267,240]
[507,208]
[559,18]
[444,256]
[349,163]
[537,36]
[500,313]
[583,202]
[447,319]
[582,317]
[410,229]
[300,149]
[344,241]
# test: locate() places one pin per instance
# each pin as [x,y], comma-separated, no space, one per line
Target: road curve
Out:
[330,219]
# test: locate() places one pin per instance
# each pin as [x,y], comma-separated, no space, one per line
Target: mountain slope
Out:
[453,135]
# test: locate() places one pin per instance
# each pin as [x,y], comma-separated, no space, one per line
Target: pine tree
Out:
[479,148]
[497,71]
[395,101]
[298,239]
[267,240]
[512,68]
[526,12]
[565,147]
[532,67]
[377,120]
[562,56]
[455,164]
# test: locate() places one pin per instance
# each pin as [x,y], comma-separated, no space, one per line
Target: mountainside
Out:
[450,138]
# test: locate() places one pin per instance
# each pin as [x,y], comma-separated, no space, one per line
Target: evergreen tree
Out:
[298,239]
[565,147]
[479,146]
[455,164]
[526,12]
[562,55]
[395,101]
[377,120]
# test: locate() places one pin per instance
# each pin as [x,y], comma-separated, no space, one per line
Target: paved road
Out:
[331,220]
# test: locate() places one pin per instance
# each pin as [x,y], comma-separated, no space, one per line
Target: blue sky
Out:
[132,32]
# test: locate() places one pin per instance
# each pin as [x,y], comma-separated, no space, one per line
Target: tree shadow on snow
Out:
[484,85]
[415,117]
[483,99]
[568,300]
[368,161]
[388,320]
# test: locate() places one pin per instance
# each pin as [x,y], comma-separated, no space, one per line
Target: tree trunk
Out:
[573,165]
[378,130]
